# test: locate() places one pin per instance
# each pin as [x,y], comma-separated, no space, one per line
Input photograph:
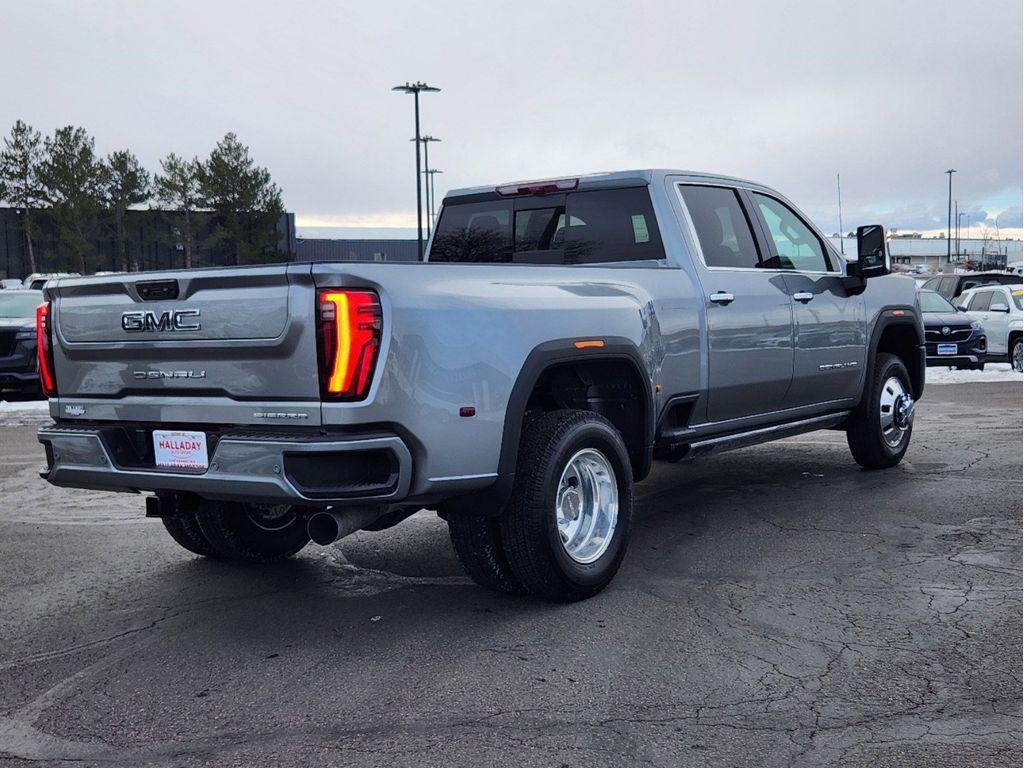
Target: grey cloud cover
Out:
[887,94]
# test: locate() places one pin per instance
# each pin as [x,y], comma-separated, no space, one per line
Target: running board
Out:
[731,442]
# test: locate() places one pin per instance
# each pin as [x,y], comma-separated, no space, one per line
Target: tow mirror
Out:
[872,255]
[999,308]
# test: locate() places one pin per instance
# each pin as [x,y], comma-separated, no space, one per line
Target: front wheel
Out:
[879,428]
[567,525]
[1017,354]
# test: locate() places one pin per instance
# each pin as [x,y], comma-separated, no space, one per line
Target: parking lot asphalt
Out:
[778,607]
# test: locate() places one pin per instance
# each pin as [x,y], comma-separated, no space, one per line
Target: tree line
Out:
[224,209]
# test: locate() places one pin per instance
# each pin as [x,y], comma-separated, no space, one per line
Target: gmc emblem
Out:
[171,320]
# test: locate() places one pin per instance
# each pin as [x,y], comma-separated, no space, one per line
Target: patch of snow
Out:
[992,372]
[7,406]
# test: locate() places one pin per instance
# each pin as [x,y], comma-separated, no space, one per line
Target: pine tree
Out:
[73,180]
[19,177]
[178,190]
[245,203]
[126,183]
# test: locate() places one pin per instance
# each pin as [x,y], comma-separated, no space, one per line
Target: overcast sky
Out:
[889,95]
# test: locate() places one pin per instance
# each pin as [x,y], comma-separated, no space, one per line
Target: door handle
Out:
[721,297]
[803,296]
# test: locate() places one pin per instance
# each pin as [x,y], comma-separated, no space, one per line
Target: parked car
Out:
[560,336]
[18,339]
[951,338]
[951,286]
[998,309]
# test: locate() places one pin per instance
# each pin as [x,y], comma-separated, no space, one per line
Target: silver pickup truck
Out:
[560,336]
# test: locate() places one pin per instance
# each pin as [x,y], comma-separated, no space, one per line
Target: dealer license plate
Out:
[947,349]
[179,449]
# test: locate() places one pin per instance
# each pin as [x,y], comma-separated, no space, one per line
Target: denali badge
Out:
[74,410]
[148,320]
[169,374]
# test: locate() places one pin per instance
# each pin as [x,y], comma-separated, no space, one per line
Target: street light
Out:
[430,188]
[414,89]
[949,216]
[430,192]
[959,216]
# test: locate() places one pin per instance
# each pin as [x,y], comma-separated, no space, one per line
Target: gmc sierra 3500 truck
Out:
[560,336]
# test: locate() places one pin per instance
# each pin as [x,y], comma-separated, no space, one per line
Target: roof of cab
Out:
[609,180]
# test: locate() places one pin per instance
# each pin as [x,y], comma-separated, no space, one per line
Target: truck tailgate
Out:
[231,346]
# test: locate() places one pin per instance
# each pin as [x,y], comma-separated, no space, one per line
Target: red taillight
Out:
[44,350]
[350,328]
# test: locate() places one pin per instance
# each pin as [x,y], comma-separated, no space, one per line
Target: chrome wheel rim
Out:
[895,410]
[1018,356]
[587,506]
[270,517]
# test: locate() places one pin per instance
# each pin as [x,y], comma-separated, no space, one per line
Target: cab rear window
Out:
[589,227]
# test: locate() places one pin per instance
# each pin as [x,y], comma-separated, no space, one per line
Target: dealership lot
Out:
[778,606]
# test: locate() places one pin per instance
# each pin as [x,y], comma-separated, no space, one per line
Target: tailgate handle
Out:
[157,290]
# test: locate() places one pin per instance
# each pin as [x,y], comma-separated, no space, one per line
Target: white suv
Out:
[998,309]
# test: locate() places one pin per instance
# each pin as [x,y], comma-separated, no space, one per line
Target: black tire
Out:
[180,522]
[477,543]
[1016,353]
[185,530]
[864,426]
[529,530]
[245,532]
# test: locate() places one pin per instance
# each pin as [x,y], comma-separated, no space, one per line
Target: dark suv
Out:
[951,286]
[18,339]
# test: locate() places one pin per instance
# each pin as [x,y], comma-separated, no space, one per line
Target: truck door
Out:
[749,310]
[831,347]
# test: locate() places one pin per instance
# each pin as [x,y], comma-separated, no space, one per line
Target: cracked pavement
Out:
[778,607]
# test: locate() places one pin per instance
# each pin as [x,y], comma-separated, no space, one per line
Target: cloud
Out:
[889,95]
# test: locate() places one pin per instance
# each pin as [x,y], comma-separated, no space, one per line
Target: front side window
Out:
[980,301]
[947,286]
[721,225]
[1017,295]
[796,245]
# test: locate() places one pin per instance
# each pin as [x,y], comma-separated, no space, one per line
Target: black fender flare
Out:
[888,317]
[491,501]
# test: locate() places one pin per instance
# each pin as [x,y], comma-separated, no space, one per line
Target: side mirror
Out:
[961,308]
[872,255]
[1000,307]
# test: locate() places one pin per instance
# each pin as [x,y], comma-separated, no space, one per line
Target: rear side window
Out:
[611,225]
[580,228]
[722,226]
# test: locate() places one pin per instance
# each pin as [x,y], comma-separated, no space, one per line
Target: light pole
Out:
[415,89]
[426,169]
[839,194]
[430,187]
[959,216]
[949,216]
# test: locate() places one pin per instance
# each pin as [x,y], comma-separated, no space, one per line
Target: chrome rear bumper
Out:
[317,470]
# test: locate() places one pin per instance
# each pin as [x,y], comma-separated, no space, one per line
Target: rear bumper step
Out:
[330,470]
